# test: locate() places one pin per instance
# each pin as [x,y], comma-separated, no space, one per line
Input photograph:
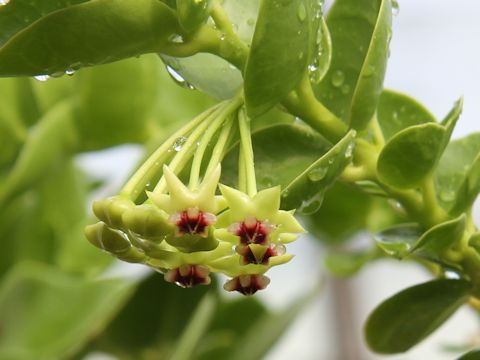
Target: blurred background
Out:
[434,58]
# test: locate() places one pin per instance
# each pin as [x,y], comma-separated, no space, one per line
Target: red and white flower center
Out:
[192,221]
[252,231]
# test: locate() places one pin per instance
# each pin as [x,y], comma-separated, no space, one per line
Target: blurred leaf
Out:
[409,316]
[305,191]
[360,32]
[282,153]
[398,240]
[49,93]
[151,322]
[192,13]
[397,111]
[457,175]
[49,142]
[45,314]
[115,102]
[411,155]
[279,53]
[344,212]
[86,34]
[441,237]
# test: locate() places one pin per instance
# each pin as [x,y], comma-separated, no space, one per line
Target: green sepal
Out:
[189,243]
[110,210]
[147,221]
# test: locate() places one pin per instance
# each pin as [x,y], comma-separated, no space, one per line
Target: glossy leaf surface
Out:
[397,111]
[279,54]
[411,155]
[360,32]
[87,34]
[398,240]
[411,315]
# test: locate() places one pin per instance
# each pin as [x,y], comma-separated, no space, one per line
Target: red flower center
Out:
[252,231]
[247,284]
[192,221]
[188,276]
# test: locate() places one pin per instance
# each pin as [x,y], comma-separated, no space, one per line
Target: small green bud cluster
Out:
[188,232]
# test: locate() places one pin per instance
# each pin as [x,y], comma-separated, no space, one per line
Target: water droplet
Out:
[251,22]
[4,2]
[349,150]
[369,71]
[312,205]
[178,144]
[300,55]
[285,193]
[234,27]
[301,12]
[330,161]
[222,36]
[317,174]
[395,7]
[70,72]
[345,89]
[178,78]
[395,116]
[280,249]
[267,181]
[338,77]
[42,77]
[447,195]
[57,74]
[176,39]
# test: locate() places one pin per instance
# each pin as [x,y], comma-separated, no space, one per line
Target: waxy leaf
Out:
[279,54]
[305,192]
[398,240]
[46,314]
[360,32]
[192,13]
[88,34]
[440,237]
[411,315]
[397,111]
[411,155]
[282,153]
[457,178]
[451,120]
[20,14]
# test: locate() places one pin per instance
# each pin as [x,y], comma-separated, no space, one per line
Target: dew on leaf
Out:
[178,144]
[179,79]
[338,77]
[345,89]
[349,150]
[42,77]
[317,174]
[301,12]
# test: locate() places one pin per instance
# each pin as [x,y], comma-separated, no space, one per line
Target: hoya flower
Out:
[256,225]
[192,212]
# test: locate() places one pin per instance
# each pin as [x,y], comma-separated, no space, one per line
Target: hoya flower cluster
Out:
[189,231]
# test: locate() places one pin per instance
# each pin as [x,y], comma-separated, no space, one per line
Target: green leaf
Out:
[20,14]
[52,139]
[115,102]
[409,316]
[305,192]
[322,55]
[152,320]
[397,111]
[279,54]
[360,32]
[46,314]
[441,237]
[398,240]
[411,155]
[344,212]
[192,13]
[451,120]
[87,34]
[457,175]
[282,153]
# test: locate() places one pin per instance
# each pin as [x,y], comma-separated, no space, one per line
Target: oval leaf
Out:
[360,32]
[440,237]
[88,34]
[411,155]
[411,315]
[397,111]
[457,175]
[279,54]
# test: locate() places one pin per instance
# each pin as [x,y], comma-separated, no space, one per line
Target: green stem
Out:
[136,185]
[433,213]
[224,113]
[246,149]
[220,147]
[242,177]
